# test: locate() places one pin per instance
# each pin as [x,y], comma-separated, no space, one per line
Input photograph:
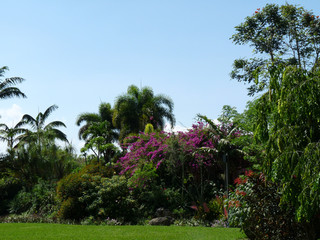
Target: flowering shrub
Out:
[255,207]
[148,152]
[189,162]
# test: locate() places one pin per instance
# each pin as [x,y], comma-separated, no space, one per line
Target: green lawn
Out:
[28,231]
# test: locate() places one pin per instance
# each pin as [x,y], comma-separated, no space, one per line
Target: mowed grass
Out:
[28,231]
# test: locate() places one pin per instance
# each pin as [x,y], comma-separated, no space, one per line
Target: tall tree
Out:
[7,89]
[288,110]
[40,131]
[139,107]
[279,34]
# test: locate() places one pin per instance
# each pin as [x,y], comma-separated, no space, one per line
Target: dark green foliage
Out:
[139,107]
[49,162]
[9,187]
[7,89]
[99,132]
[284,34]
[39,200]
[87,193]
[112,199]
[255,207]
[287,112]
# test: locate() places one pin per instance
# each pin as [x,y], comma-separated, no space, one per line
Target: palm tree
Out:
[223,135]
[39,131]
[9,135]
[98,131]
[104,115]
[6,86]
[139,107]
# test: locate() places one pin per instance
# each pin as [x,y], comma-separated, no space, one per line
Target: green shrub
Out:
[85,193]
[39,200]
[69,191]
[9,187]
[71,209]
[112,199]
[255,207]
[21,202]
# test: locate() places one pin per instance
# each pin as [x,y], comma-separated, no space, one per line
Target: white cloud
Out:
[176,128]
[11,116]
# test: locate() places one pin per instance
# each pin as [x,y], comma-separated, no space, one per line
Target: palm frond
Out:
[46,114]
[88,117]
[54,124]
[11,92]
[212,125]
[60,135]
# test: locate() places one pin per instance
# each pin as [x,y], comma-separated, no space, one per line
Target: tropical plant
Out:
[41,132]
[288,110]
[225,135]
[98,132]
[104,115]
[10,135]
[255,207]
[138,107]
[7,89]
[279,34]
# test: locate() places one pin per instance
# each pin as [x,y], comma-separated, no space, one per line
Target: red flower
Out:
[205,207]
[225,212]
[243,193]
[249,173]
[194,207]
[237,181]
[256,11]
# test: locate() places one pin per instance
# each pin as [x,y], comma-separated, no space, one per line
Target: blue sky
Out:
[77,54]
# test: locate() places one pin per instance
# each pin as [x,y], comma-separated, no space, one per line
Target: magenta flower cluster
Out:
[145,148]
[154,147]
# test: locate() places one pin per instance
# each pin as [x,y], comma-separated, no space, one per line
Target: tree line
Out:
[257,170]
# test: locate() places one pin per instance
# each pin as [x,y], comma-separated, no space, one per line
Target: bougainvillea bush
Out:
[154,155]
[187,163]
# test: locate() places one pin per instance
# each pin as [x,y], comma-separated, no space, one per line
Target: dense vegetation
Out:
[257,170]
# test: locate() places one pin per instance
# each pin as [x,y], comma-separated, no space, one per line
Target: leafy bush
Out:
[21,202]
[69,190]
[255,207]
[9,187]
[112,199]
[84,194]
[39,200]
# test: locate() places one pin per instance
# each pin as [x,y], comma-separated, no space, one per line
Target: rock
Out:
[161,212]
[164,221]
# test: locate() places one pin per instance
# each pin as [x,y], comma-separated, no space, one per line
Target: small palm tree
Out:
[98,131]
[10,135]
[105,115]
[7,89]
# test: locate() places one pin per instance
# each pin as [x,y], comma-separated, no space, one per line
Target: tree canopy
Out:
[284,34]
[287,110]
[7,89]
[139,107]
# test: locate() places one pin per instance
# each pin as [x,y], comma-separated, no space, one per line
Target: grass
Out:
[37,231]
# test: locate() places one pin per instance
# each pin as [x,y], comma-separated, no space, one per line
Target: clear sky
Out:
[77,54]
